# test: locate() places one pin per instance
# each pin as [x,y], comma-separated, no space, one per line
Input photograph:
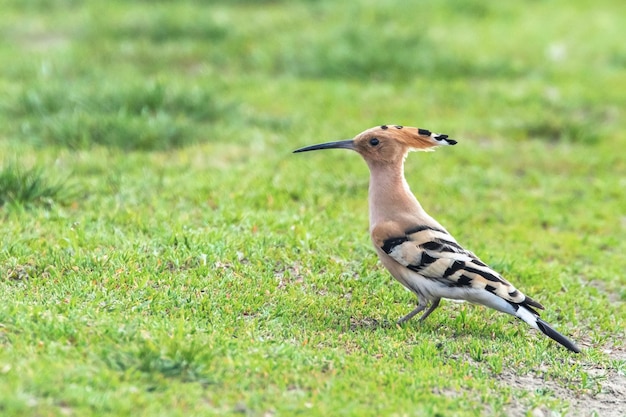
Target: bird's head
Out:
[387,143]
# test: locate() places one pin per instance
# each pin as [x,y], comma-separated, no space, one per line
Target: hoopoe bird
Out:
[414,247]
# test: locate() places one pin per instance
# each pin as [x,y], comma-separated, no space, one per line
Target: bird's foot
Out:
[432,308]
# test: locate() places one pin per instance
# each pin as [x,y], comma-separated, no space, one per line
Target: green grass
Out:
[170,256]
[24,187]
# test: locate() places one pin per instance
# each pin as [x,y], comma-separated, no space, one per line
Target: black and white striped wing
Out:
[434,254]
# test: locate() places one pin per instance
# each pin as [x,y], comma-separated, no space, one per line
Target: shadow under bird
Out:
[414,247]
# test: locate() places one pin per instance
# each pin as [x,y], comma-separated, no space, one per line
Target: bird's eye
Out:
[374,141]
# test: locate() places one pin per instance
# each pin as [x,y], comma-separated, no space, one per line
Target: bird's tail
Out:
[535,321]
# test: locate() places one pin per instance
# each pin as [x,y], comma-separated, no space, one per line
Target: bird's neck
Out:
[389,194]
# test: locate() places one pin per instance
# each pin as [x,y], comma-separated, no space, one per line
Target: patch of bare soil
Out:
[607,399]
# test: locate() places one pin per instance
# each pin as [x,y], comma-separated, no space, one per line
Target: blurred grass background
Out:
[164,254]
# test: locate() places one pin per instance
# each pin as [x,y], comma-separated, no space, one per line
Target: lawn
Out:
[163,253]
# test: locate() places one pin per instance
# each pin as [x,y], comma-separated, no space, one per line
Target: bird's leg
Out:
[433,306]
[420,307]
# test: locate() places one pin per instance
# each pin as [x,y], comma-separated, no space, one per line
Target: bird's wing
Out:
[434,254]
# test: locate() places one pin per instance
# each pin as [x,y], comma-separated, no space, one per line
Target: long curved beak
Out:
[341,144]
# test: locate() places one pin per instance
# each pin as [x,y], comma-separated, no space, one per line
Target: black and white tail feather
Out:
[534,321]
